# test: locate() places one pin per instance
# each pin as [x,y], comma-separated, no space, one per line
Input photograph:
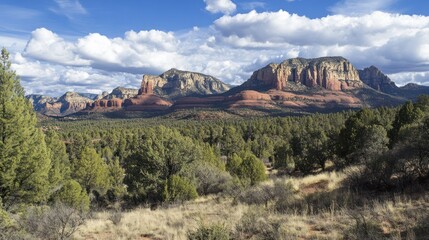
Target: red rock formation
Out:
[331,73]
[146,86]
[146,102]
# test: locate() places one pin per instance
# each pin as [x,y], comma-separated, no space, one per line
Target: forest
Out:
[55,174]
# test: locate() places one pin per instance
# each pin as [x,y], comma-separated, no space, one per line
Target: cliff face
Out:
[122,93]
[175,83]
[330,73]
[69,103]
[39,101]
[377,80]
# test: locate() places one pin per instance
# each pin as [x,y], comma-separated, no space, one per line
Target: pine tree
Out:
[60,165]
[24,160]
[91,171]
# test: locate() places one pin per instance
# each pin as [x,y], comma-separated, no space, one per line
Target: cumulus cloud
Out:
[54,80]
[269,29]
[48,46]
[220,6]
[404,78]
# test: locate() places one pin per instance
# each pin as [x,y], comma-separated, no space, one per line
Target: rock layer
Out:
[176,83]
[374,78]
[330,73]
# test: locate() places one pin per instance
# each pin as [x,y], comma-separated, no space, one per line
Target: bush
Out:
[260,194]
[257,224]
[72,195]
[252,169]
[281,193]
[178,189]
[116,216]
[213,232]
[364,229]
[210,179]
[57,222]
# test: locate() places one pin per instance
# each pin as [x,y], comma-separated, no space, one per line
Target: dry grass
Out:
[163,223]
[322,210]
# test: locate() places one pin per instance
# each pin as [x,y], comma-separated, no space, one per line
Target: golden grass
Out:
[321,213]
[163,223]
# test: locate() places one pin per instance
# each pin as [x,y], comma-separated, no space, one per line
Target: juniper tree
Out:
[24,159]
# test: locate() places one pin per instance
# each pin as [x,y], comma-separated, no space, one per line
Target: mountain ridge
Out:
[297,84]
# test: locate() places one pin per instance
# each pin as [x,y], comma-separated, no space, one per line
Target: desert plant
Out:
[179,189]
[116,216]
[56,222]
[210,232]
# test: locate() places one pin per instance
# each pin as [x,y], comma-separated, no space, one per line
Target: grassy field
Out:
[314,207]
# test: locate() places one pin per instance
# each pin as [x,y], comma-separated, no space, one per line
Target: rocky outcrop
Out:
[69,103]
[330,73]
[122,93]
[39,101]
[146,102]
[176,83]
[377,80]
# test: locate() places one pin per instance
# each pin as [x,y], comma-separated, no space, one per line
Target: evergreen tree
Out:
[60,165]
[24,159]
[91,171]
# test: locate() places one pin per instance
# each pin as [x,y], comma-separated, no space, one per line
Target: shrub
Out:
[72,195]
[57,222]
[364,229]
[210,179]
[253,169]
[116,216]
[257,224]
[179,189]
[212,232]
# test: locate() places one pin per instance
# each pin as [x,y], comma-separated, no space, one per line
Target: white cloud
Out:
[69,8]
[270,29]
[48,46]
[220,6]
[359,7]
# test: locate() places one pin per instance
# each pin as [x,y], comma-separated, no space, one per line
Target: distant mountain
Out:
[122,93]
[330,73]
[175,83]
[68,103]
[39,101]
[377,80]
[91,96]
[295,85]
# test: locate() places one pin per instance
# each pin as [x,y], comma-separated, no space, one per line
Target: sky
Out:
[97,45]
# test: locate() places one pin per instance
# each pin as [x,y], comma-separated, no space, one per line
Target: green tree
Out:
[91,171]
[72,195]
[24,159]
[179,189]
[60,165]
[407,114]
[252,169]
[159,154]
[117,174]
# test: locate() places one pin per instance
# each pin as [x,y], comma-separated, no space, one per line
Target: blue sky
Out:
[96,45]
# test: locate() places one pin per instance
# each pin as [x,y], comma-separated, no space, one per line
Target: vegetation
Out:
[262,175]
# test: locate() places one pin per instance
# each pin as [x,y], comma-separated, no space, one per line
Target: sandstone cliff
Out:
[176,83]
[330,73]
[122,93]
[374,78]
[69,103]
